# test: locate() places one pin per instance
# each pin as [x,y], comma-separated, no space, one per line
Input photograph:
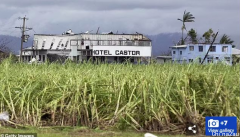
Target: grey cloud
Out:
[129,16]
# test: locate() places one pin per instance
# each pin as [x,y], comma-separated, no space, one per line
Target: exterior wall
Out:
[59,41]
[189,56]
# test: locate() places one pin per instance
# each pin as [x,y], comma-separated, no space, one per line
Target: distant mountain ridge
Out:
[161,43]
[14,43]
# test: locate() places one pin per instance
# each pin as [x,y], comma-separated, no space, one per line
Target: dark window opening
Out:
[82,42]
[200,48]
[66,44]
[87,47]
[43,44]
[51,45]
[39,57]
[213,49]
[180,52]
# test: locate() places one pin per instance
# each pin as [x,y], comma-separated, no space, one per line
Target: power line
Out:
[24,37]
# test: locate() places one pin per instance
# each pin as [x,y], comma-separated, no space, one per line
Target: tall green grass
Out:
[156,97]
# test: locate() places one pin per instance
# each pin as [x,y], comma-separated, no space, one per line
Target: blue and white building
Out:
[196,53]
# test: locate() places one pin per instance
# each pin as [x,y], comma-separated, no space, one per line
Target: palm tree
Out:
[226,40]
[208,34]
[193,35]
[187,17]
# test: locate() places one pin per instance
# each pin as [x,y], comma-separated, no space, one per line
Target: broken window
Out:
[51,45]
[82,42]
[35,44]
[59,43]
[66,44]
[43,44]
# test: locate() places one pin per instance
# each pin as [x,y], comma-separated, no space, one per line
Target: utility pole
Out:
[209,48]
[24,37]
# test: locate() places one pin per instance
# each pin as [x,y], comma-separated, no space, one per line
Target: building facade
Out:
[85,46]
[196,53]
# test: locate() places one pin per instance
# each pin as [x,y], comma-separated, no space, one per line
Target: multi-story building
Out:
[80,47]
[196,52]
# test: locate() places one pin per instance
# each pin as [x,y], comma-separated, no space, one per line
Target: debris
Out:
[149,135]
[4,116]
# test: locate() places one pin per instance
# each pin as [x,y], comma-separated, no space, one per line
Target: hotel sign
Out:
[122,51]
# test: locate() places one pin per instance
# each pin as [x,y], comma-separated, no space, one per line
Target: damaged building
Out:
[108,47]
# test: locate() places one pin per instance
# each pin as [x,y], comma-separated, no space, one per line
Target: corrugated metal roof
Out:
[179,46]
[235,51]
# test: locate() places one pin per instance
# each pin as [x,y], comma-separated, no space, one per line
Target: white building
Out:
[80,47]
[196,52]
[163,59]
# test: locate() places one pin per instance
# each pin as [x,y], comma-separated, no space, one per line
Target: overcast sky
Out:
[125,16]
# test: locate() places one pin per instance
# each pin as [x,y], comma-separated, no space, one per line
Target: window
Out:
[191,48]
[66,44]
[82,42]
[225,49]
[200,48]
[213,49]
[98,41]
[59,43]
[43,44]
[174,52]
[217,58]
[109,41]
[210,59]
[120,41]
[87,47]
[180,52]
[35,44]
[227,59]
[190,60]
[51,45]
